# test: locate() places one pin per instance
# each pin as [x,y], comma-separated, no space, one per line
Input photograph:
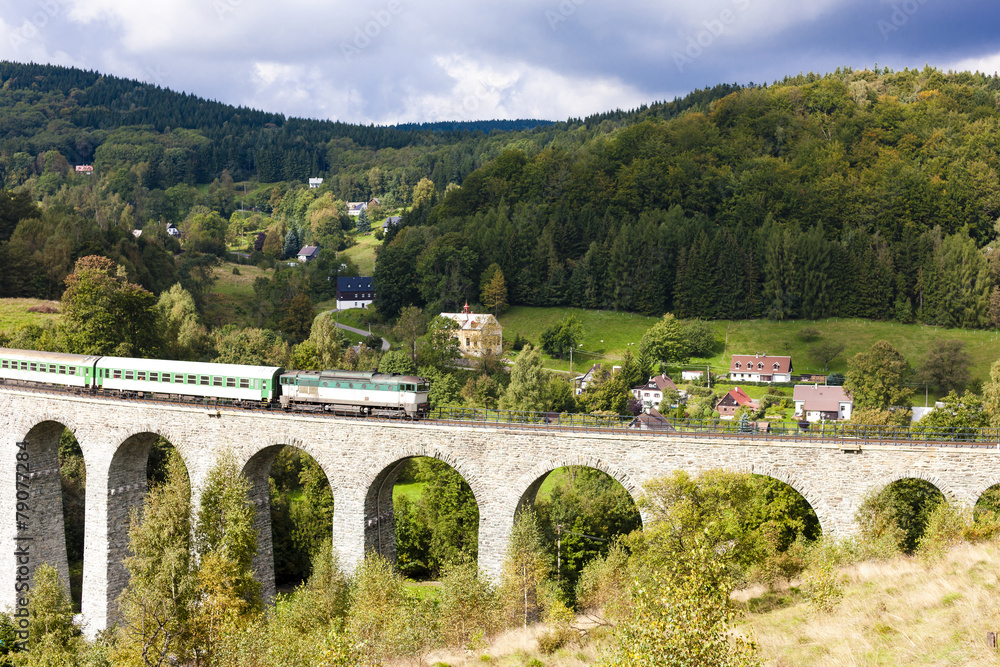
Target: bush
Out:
[236,270]
[555,638]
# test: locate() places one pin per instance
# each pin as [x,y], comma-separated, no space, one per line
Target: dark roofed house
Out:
[651,393]
[821,402]
[391,221]
[760,368]
[733,401]
[308,253]
[354,292]
[651,421]
[581,381]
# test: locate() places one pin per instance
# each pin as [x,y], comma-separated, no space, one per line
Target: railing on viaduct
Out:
[822,432]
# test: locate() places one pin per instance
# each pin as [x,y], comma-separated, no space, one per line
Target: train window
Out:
[25,366]
[129,375]
[140,375]
[154,376]
[72,370]
[192,379]
[244,383]
[62,370]
[204,379]
[117,375]
[4,363]
[32,366]
[230,382]
[216,381]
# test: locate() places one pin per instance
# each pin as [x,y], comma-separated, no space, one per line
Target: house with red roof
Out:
[821,402]
[760,368]
[733,401]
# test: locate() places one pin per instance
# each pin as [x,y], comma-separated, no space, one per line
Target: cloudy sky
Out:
[389,61]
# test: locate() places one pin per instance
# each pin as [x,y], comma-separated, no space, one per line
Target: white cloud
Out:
[987,64]
[514,89]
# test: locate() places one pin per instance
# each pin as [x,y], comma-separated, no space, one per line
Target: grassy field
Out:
[893,613]
[16,313]
[232,295]
[363,252]
[608,334]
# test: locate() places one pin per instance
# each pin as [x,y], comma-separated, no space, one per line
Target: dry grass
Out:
[514,648]
[897,612]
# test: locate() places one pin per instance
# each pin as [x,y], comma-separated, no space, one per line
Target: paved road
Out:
[362,332]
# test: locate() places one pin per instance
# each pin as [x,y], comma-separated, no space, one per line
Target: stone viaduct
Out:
[504,467]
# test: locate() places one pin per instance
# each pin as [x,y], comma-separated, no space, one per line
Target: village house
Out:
[651,421]
[391,221]
[477,333]
[822,402]
[651,393]
[692,376]
[760,368]
[355,207]
[308,253]
[580,382]
[315,183]
[733,401]
[354,292]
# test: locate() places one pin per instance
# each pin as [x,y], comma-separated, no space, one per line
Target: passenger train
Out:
[343,392]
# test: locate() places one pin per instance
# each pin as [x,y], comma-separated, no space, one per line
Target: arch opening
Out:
[301,511]
[51,484]
[422,514]
[988,501]
[897,514]
[581,512]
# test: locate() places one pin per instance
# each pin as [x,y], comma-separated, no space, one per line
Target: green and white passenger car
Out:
[67,370]
[188,378]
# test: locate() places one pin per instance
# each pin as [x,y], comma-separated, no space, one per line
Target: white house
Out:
[651,393]
[822,402]
[692,376]
[315,183]
[760,368]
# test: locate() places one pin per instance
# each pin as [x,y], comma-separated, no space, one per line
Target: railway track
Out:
[848,437]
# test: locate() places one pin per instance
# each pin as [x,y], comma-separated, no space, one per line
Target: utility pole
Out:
[571,358]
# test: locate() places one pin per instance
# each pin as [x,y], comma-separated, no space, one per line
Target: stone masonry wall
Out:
[361,459]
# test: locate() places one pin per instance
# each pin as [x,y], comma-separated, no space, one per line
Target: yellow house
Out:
[477,333]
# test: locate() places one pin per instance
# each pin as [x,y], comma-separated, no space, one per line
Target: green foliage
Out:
[946,366]
[52,637]
[557,340]
[895,518]
[666,342]
[526,391]
[681,615]
[469,607]
[396,361]
[877,379]
[442,527]
[590,505]
[105,314]
[525,571]
[752,519]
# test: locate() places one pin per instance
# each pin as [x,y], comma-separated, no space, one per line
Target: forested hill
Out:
[859,193]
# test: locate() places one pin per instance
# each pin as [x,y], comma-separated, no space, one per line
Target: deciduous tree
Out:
[877,378]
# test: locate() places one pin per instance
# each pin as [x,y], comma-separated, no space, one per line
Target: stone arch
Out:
[257,469]
[532,481]
[126,490]
[977,492]
[946,490]
[39,483]
[827,523]
[377,482]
